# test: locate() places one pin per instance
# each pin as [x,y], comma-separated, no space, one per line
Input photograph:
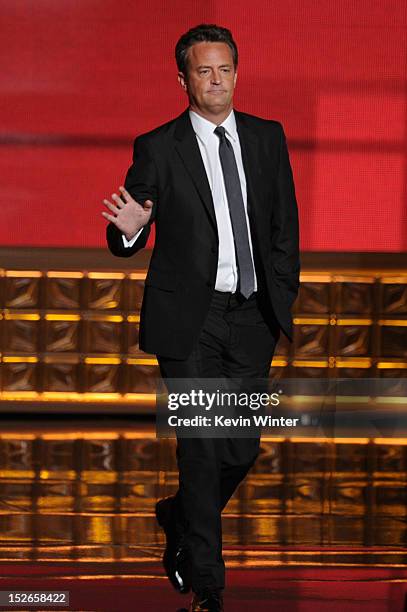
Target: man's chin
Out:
[218,105]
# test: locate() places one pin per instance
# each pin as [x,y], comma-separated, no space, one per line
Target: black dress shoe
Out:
[175,559]
[207,600]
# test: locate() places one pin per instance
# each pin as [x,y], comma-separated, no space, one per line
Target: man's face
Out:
[211,77]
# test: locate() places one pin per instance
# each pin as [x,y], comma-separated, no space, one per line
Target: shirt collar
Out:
[204,128]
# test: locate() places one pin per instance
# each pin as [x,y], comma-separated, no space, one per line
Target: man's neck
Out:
[217,118]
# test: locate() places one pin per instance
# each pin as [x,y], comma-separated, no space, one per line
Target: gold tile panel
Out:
[74,333]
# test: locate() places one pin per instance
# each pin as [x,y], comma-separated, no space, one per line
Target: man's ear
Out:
[235,78]
[182,81]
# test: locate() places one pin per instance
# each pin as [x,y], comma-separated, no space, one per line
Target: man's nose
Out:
[216,77]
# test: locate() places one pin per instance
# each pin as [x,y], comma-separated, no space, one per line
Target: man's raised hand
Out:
[128,216]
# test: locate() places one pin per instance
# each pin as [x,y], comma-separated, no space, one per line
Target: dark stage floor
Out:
[125,587]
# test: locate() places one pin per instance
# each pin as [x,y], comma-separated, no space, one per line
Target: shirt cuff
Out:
[129,243]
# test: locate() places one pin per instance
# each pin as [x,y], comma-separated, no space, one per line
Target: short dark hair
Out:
[203,33]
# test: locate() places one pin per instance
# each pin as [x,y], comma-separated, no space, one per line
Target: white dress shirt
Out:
[226,277]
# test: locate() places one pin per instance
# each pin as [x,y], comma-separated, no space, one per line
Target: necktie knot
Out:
[220,131]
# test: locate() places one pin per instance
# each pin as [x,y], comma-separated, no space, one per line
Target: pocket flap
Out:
[161,279]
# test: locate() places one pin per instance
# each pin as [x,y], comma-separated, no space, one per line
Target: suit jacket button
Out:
[213,250]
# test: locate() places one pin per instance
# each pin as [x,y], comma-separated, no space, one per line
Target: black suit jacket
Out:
[168,169]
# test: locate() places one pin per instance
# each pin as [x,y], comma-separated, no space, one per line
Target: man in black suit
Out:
[223,275]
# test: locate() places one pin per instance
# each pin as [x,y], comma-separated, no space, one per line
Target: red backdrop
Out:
[80,79]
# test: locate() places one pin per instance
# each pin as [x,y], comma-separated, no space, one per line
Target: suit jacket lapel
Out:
[249,145]
[188,149]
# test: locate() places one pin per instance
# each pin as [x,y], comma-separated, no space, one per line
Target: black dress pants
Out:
[235,341]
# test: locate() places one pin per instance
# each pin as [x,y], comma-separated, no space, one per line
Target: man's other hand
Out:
[128,216]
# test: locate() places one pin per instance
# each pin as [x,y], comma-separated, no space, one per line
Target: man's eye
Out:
[203,71]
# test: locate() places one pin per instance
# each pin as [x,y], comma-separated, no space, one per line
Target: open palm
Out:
[128,216]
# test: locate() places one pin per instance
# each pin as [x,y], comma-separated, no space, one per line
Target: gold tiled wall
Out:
[74,334]
[92,495]
[353,325]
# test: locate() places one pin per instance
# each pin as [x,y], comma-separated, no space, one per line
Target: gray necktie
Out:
[237,213]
